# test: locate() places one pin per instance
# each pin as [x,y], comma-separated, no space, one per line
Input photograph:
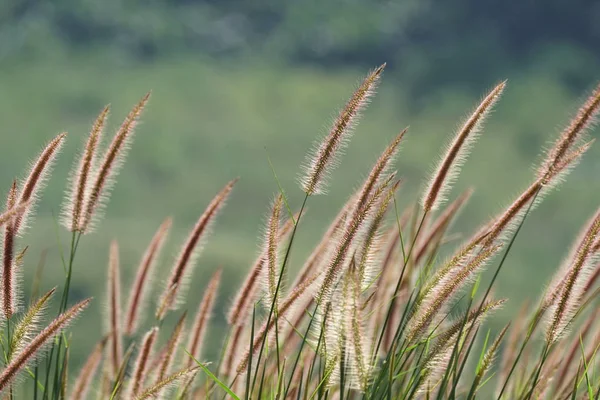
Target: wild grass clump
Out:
[374,312]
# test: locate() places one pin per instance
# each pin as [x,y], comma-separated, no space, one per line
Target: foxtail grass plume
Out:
[487,361]
[241,306]
[271,273]
[359,338]
[83,382]
[35,181]
[140,371]
[379,171]
[323,159]
[572,134]
[203,315]
[184,263]
[143,279]
[556,285]
[9,279]
[449,166]
[564,308]
[559,172]
[339,259]
[322,250]
[83,171]
[440,353]
[153,391]
[166,300]
[114,309]
[369,262]
[333,331]
[362,212]
[450,267]
[19,362]
[473,318]
[28,324]
[109,167]
[434,302]
[446,338]
[167,355]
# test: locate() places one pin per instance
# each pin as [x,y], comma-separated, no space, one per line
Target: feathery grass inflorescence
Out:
[324,158]
[567,301]
[198,332]
[154,390]
[37,343]
[437,360]
[140,370]
[431,307]
[367,256]
[271,273]
[380,170]
[356,221]
[571,135]
[167,354]
[189,252]
[359,338]
[36,180]
[449,166]
[108,169]
[486,362]
[83,171]
[28,324]
[9,280]
[241,306]
[143,279]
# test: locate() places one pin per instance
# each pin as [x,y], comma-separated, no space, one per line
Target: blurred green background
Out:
[235,82]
